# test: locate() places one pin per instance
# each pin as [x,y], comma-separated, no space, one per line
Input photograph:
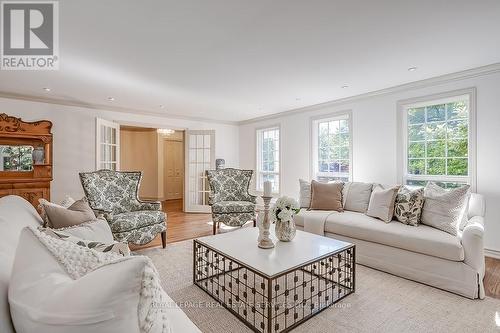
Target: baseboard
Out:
[492,253]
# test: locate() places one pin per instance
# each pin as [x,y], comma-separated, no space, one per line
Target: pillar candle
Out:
[268,187]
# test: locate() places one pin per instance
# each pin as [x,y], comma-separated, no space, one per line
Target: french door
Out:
[200,156]
[107,145]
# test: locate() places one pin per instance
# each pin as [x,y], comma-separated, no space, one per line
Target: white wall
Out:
[74,137]
[375,142]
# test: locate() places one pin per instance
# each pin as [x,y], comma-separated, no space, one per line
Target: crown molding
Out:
[65,102]
[434,81]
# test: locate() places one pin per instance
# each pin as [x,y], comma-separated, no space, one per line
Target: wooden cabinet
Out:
[25,158]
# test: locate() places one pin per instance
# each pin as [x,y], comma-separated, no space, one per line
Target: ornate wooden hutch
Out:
[25,158]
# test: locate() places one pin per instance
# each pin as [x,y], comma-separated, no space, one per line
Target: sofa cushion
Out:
[421,239]
[135,220]
[356,196]
[225,207]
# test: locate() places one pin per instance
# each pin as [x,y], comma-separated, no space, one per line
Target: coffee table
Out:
[274,290]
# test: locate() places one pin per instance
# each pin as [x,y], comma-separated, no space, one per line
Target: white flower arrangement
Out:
[284,209]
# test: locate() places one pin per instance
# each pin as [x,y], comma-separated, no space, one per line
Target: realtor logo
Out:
[30,35]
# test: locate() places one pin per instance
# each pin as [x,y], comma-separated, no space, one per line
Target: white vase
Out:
[285,230]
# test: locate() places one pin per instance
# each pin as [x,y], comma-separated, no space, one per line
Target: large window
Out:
[438,140]
[268,158]
[331,150]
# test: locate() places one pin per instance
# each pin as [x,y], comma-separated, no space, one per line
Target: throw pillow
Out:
[68,201]
[60,217]
[408,207]
[114,247]
[97,230]
[381,203]
[326,196]
[444,209]
[305,193]
[356,196]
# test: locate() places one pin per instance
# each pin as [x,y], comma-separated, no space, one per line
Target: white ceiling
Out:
[238,59]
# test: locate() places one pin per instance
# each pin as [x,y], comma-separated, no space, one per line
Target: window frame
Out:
[313,133]
[258,149]
[442,98]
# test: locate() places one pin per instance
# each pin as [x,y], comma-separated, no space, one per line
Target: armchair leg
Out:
[164,239]
[254,223]
[215,227]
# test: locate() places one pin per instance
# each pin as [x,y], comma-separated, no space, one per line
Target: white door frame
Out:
[188,207]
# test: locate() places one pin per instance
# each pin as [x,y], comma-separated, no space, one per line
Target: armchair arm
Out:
[149,205]
[472,241]
[252,198]
[105,213]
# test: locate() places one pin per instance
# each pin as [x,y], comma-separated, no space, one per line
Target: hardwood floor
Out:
[182,226]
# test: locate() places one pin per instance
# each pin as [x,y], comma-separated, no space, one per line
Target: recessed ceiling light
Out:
[297,99]
[111,99]
[344,86]
[412,69]
[46,89]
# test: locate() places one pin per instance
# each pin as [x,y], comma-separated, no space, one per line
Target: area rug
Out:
[381,303]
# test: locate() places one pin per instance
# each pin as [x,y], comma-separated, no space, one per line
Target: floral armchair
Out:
[114,194]
[229,198]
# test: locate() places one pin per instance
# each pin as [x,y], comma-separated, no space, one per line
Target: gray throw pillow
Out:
[408,207]
[356,196]
[60,217]
[444,209]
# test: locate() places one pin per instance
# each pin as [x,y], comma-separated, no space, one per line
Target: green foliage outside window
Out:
[438,139]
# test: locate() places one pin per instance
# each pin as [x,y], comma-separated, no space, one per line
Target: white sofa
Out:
[422,253]
[104,300]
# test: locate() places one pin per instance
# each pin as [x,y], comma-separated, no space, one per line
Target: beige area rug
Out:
[382,303]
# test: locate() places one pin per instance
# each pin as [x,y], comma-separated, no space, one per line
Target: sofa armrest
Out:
[472,242]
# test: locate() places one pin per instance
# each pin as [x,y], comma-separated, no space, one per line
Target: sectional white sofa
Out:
[47,300]
[422,253]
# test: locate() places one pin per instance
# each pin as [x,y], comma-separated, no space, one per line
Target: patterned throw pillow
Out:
[408,207]
[115,247]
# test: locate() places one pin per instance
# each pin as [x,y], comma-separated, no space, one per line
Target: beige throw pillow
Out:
[444,209]
[60,217]
[381,203]
[326,196]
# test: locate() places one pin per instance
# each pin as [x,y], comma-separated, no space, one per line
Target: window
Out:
[331,148]
[438,140]
[268,158]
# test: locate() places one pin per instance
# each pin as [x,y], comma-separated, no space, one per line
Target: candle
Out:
[268,187]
